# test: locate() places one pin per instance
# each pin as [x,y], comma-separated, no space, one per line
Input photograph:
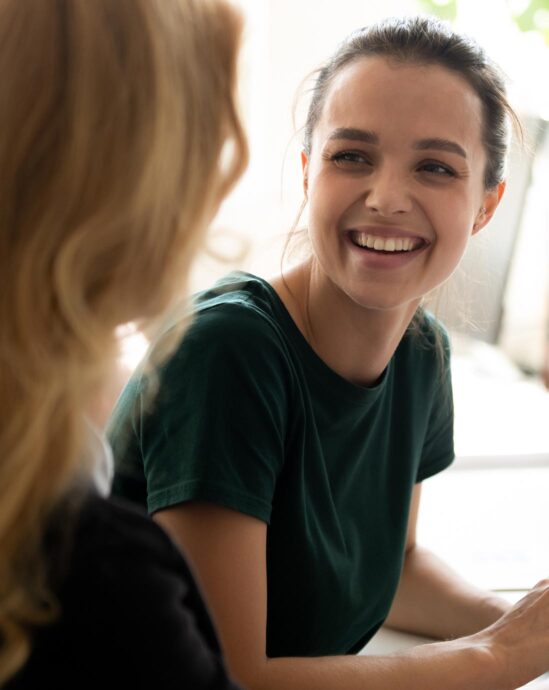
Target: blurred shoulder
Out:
[103,532]
[239,305]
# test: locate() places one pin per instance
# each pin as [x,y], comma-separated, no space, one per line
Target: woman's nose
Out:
[387,193]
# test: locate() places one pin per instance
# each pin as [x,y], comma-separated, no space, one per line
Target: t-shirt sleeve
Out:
[217,429]
[438,448]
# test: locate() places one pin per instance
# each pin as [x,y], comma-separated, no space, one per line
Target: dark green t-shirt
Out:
[249,417]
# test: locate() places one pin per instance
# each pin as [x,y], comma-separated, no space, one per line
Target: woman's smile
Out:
[387,251]
[384,244]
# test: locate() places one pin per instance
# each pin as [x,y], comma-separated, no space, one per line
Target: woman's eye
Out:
[437,169]
[350,157]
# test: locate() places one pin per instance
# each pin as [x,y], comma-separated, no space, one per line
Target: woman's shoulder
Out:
[239,305]
[117,565]
[240,319]
[116,529]
[129,611]
[93,543]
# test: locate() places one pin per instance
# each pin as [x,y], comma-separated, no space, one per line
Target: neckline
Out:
[314,363]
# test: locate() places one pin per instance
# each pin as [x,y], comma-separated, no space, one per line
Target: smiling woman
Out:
[294,426]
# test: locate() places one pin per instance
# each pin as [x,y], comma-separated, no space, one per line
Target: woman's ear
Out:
[489,205]
[305,170]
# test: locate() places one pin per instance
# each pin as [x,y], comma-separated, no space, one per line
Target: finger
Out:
[542,584]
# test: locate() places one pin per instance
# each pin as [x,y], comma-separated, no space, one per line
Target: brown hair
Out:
[425,40]
[113,116]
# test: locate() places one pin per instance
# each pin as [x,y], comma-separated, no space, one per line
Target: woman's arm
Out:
[433,600]
[228,550]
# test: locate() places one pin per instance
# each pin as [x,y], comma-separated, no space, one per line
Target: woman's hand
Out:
[520,638]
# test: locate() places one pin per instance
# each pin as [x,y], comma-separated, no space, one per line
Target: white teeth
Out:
[385,244]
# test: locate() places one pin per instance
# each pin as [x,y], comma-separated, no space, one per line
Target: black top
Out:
[131,613]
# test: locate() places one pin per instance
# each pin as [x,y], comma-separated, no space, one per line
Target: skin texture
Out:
[353,310]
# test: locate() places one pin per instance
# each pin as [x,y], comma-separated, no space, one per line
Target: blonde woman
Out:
[113,115]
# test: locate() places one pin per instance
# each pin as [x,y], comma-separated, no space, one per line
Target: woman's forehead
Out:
[414,100]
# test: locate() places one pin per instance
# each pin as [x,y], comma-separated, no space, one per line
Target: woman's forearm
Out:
[434,601]
[455,665]
[228,550]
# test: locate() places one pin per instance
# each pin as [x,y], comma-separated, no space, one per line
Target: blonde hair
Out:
[113,116]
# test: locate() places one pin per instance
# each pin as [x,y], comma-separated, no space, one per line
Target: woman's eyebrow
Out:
[369,137]
[440,145]
[357,134]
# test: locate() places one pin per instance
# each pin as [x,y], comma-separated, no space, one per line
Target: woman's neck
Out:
[354,341]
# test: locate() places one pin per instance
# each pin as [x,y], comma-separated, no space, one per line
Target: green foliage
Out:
[530,15]
[534,17]
[443,9]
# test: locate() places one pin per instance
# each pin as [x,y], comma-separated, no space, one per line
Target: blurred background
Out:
[488,515]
